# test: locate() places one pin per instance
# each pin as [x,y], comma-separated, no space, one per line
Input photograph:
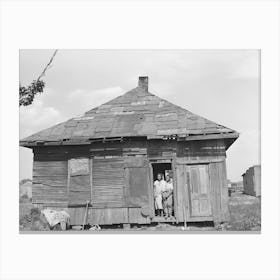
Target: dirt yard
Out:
[245,215]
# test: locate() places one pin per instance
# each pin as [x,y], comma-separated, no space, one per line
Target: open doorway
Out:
[163,190]
[163,168]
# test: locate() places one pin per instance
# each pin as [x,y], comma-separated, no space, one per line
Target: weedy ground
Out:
[245,215]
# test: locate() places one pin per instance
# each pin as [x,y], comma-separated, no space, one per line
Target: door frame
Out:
[172,161]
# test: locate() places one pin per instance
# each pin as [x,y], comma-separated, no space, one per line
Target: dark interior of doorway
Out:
[164,169]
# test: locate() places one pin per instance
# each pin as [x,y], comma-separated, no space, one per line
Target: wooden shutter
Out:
[197,179]
[79,180]
[108,182]
[138,186]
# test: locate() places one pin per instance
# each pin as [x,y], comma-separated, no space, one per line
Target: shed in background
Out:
[252,181]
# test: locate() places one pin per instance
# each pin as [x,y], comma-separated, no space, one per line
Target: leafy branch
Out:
[27,94]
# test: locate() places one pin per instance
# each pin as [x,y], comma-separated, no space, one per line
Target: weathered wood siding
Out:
[201,149]
[108,183]
[49,182]
[119,179]
[216,194]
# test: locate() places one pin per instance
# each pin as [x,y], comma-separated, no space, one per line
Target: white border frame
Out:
[156,24]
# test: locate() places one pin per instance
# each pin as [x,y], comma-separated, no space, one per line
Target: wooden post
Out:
[126,226]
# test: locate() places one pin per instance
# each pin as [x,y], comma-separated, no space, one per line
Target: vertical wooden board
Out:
[115,216]
[121,215]
[68,179]
[175,198]
[224,191]
[96,216]
[133,215]
[90,178]
[126,186]
[181,182]
[151,192]
[108,216]
[204,179]
[76,215]
[215,191]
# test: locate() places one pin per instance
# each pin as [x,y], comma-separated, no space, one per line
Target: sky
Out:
[221,85]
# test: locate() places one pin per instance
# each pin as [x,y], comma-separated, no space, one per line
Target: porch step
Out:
[163,219]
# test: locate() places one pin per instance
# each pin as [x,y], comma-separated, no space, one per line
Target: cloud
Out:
[85,100]
[53,107]
[36,117]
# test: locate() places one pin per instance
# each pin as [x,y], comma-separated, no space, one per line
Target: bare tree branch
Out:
[27,94]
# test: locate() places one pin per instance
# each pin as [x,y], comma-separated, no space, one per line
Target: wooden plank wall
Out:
[49,182]
[224,191]
[159,148]
[79,189]
[108,181]
[201,149]
[110,176]
[218,191]
[108,216]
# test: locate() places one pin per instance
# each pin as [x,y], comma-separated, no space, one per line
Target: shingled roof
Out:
[137,113]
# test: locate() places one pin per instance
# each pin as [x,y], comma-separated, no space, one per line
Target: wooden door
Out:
[138,193]
[198,183]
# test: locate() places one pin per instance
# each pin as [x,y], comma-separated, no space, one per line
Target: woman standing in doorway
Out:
[168,196]
[159,186]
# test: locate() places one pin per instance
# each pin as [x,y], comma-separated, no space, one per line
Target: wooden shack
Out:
[111,155]
[252,181]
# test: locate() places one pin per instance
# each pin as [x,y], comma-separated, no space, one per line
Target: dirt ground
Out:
[245,215]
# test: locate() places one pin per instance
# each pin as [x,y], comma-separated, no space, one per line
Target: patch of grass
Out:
[245,213]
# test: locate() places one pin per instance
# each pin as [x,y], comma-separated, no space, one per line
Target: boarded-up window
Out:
[108,182]
[79,180]
[79,166]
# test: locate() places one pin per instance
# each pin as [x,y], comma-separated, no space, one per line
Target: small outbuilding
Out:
[252,181]
[111,155]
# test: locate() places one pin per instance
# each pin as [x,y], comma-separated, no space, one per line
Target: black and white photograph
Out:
[140,140]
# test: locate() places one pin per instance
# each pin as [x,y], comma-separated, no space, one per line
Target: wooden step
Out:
[163,219]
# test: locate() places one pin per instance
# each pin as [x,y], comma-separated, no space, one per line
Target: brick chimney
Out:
[143,82]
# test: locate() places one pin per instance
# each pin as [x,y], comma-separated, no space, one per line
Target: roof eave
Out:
[86,141]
